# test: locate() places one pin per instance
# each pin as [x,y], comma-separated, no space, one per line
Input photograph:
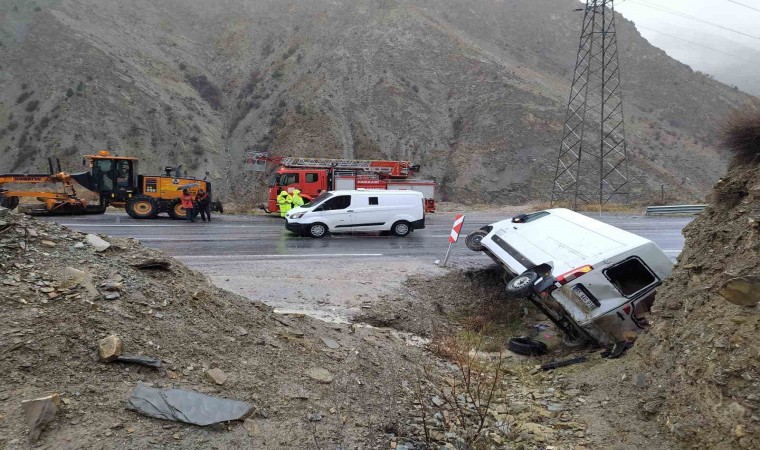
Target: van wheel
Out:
[401,228]
[522,285]
[317,230]
[474,240]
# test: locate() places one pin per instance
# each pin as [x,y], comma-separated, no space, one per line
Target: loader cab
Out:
[114,177]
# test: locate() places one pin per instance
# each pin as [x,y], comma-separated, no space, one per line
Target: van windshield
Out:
[319,199]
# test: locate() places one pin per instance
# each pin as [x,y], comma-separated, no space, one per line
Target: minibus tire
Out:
[527,346]
[522,285]
[474,240]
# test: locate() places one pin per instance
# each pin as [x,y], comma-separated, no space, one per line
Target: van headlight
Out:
[297,215]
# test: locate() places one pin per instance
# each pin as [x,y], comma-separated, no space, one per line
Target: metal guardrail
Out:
[674,210]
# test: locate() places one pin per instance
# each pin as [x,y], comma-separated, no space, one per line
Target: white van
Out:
[593,280]
[347,211]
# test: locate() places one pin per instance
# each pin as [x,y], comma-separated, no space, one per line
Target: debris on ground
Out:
[98,243]
[153,264]
[39,412]
[186,406]
[109,348]
[216,376]
[139,360]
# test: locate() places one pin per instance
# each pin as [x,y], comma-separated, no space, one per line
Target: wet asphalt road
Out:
[252,238]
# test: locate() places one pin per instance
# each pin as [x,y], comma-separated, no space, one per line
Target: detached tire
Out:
[317,230]
[177,212]
[474,240]
[401,228]
[522,285]
[142,208]
[527,346]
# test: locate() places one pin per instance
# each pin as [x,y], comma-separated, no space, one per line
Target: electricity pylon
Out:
[592,166]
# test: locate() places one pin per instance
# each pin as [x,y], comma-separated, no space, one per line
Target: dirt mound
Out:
[54,310]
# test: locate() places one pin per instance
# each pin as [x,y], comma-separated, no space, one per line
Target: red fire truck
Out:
[312,176]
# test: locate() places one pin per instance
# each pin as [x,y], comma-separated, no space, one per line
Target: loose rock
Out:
[216,376]
[109,348]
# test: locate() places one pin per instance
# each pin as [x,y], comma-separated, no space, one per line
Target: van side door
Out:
[335,213]
[366,212]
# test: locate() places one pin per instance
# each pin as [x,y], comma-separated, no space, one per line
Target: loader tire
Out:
[177,212]
[9,202]
[142,207]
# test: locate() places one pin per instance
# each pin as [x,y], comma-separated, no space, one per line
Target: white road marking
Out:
[221,258]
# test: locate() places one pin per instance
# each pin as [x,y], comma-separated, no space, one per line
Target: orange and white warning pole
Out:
[454,236]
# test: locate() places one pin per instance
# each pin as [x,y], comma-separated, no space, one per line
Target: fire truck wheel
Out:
[474,240]
[142,208]
[401,228]
[176,211]
[9,202]
[522,285]
[317,230]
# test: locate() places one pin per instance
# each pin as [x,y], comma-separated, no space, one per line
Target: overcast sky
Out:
[707,43]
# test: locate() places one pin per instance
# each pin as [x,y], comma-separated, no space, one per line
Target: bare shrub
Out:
[207,90]
[741,132]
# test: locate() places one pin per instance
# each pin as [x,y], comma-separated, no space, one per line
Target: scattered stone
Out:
[109,348]
[437,401]
[216,376]
[39,412]
[49,244]
[111,295]
[240,331]
[97,243]
[78,245]
[314,417]
[330,343]
[742,291]
[47,290]
[319,374]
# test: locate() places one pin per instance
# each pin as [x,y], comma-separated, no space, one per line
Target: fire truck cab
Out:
[312,176]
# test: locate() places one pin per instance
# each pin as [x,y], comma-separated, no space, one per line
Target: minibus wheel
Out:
[474,240]
[522,285]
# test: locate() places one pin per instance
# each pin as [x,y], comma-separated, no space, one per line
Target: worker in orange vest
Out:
[187,203]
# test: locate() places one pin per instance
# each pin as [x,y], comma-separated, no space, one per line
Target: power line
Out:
[690,17]
[697,44]
[741,4]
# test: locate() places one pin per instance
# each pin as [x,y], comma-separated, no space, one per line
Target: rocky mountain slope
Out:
[474,91]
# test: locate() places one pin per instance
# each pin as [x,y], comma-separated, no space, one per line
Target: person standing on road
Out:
[204,205]
[284,201]
[297,200]
[187,203]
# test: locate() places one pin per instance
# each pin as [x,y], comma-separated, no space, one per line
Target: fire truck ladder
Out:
[390,168]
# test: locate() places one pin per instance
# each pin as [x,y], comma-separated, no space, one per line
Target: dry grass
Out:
[741,132]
